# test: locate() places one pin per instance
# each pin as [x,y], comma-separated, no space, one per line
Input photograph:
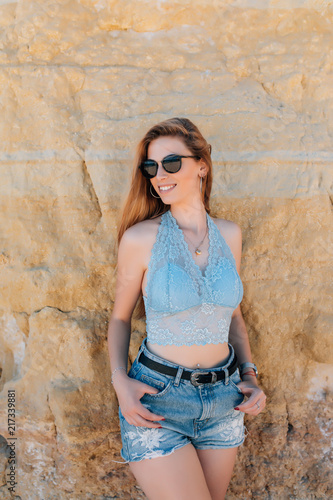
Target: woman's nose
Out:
[160,171]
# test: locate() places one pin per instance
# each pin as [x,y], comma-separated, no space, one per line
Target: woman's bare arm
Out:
[238,336]
[128,284]
[131,266]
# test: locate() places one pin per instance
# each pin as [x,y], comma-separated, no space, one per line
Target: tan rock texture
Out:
[80,82]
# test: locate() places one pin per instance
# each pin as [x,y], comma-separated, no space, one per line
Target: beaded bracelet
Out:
[114,371]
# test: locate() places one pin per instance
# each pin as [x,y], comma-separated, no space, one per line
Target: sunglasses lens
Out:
[149,168]
[172,165]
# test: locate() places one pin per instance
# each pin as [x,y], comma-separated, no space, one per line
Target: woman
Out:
[181,405]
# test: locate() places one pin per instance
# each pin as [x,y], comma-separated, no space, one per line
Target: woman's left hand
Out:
[256,401]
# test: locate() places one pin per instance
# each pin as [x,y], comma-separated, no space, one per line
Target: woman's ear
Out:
[203,169]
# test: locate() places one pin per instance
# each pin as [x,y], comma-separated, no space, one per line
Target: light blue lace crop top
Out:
[183,305]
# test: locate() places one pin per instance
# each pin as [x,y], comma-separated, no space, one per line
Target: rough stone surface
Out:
[80,81]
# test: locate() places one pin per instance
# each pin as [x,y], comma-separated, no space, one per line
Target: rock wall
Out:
[80,82]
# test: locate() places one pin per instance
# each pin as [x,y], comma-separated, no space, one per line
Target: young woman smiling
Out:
[182,403]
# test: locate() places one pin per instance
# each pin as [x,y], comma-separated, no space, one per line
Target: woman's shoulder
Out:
[138,240]
[141,234]
[228,229]
[232,235]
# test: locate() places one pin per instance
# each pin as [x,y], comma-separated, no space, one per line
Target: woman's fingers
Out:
[144,418]
[255,404]
[142,422]
[140,415]
[147,389]
[148,415]
[134,412]
[255,409]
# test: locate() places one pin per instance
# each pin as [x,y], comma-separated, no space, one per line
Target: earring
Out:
[200,184]
[152,193]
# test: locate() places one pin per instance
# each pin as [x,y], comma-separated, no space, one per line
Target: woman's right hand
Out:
[129,392]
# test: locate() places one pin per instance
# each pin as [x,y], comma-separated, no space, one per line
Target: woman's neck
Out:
[190,218]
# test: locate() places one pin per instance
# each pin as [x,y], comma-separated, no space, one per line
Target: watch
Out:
[243,367]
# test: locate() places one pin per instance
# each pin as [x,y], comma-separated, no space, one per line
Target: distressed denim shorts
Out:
[203,415]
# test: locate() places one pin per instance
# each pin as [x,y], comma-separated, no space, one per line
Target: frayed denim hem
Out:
[153,454]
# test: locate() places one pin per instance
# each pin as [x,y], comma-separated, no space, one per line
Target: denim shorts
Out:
[203,415]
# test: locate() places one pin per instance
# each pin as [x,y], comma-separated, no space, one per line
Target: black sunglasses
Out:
[171,164]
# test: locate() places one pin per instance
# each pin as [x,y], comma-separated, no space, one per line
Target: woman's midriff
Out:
[194,356]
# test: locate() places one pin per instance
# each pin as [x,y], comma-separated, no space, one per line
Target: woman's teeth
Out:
[166,188]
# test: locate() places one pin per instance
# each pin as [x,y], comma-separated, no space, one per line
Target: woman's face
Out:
[184,185]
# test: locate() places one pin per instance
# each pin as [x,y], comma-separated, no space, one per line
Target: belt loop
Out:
[178,376]
[143,345]
[141,349]
[226,375]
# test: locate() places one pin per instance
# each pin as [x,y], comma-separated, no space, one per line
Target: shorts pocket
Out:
[234,380]
[135,370]
[158,383]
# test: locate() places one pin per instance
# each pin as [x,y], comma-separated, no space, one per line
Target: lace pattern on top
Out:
[183,305]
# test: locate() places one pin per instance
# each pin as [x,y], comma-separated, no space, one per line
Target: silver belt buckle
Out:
[195,375]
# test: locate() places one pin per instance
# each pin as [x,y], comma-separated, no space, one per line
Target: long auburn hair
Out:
[139,203]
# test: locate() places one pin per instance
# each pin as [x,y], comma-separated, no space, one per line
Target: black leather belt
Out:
[197,377]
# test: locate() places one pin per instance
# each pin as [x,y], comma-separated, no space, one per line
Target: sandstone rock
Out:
[80,83]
